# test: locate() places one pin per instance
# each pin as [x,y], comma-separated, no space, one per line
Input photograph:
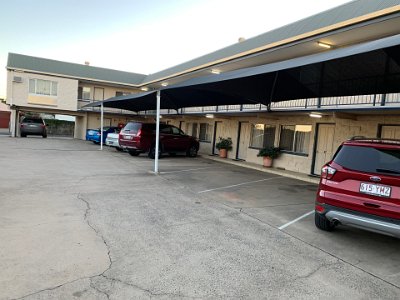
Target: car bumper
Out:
[112,143]
[363,221]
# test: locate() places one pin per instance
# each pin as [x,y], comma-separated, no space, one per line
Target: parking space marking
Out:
[234,185]
[295,220]
[186,170]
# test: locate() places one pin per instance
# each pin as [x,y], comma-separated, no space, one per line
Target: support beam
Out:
[157,132]
[101,126]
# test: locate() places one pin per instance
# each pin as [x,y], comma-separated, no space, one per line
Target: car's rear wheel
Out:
[44,136]
[119,148]
[152,152]
[323,223]
[23,135]
[132,152]
[192,151]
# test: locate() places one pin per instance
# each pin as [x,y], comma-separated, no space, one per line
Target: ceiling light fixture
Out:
[215,71]
[324,45]
[144,89]
[312,115]
[210,116]
[164,84]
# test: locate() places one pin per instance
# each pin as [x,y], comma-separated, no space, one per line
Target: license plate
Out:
[375,189]
[127,137]
[111,142]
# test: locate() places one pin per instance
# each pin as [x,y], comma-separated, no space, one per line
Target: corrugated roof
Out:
[44,65]
[327,18]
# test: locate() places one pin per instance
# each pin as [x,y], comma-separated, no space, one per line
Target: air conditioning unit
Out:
[17,79]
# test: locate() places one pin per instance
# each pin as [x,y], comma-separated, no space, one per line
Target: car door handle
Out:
[371,205]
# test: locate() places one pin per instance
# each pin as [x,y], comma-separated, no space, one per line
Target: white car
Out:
[112,141]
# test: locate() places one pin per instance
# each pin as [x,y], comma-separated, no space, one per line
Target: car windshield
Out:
[369,159]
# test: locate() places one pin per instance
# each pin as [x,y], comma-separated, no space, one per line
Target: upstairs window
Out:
[43,87]
[84,93]
[118,93]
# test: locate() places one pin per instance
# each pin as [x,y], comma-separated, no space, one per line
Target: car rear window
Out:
[369,159]
[132,127]
[36,121]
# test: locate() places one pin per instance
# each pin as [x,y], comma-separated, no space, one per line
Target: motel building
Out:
[308,130]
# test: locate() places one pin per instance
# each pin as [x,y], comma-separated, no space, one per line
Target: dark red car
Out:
[360,187]
[139,138]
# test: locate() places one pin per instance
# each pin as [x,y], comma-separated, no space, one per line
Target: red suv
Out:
[141,137]
[360,187]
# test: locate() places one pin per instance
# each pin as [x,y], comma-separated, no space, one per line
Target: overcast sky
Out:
[143,36]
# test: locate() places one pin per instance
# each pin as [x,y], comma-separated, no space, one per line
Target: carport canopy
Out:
[368,68]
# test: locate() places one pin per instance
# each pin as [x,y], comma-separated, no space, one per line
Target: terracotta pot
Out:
[223,153]
[267,161]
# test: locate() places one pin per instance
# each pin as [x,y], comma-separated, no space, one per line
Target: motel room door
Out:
[243,140]
[324,148]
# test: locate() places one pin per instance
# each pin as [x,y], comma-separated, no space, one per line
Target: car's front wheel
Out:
[323,223]
[192,151]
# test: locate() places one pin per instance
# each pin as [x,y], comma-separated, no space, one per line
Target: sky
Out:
[143,36]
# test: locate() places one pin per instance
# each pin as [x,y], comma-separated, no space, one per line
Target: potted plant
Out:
[268,154]
[224,145]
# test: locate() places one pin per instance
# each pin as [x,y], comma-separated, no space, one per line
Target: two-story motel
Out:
[308,130]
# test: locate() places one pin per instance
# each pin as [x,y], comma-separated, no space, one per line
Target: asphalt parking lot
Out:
[79,223]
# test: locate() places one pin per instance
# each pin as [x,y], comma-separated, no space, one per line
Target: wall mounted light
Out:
[164,84]
[215,71]
[210,116]
[324,45]
[312,115]
[144,89]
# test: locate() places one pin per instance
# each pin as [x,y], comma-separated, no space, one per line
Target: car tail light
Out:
[21,125]
[327,172]
[139,133]
[98,133]
[42,125]
[319,208]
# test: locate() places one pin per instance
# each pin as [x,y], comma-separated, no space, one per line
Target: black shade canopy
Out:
[369,68]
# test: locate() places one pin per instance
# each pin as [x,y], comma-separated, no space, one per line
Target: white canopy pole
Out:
[157,132]
[101,126]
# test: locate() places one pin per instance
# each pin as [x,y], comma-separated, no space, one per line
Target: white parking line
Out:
[295,220]
[186,170]
[234,185]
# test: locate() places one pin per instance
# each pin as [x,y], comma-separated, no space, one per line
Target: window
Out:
[262,136]
[205,133]
[295,138]
[42,87]
[84,93]
[118,93]
[194,129]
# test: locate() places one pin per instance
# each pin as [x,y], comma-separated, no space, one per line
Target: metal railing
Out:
[343,102]
[82,103]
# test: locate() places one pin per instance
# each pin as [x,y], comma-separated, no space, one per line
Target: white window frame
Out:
[53,91]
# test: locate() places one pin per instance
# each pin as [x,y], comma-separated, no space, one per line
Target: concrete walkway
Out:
[244,164]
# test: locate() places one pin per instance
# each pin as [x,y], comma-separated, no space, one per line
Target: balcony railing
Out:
[82,103]
[314,104]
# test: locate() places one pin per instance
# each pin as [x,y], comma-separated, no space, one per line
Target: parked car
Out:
[95,134]
[360,187]
[112,141]
[33,126]
[139,138]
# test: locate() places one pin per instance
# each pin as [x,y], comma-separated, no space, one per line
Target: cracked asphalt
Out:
[78,223]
